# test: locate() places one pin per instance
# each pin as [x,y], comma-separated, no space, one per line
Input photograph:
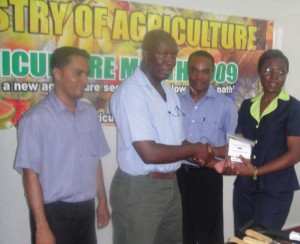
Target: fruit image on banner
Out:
[112,32]
[7,112]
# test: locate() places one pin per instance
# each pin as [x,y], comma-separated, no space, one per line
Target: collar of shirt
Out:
[255,107]
[58,106]
[141,79]
[211,92]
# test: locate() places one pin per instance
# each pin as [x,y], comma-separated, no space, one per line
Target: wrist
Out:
[219,152]
[210,150]
[42,226]
[254,177]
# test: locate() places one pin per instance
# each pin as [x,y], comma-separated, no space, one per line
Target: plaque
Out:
[238,146]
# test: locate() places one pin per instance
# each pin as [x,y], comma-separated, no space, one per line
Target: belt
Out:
[158,175]
[188,167]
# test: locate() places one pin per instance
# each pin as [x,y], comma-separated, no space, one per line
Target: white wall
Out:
[14,226]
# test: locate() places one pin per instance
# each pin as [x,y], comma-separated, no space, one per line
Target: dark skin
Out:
[200,71]
[272,84]
[157,66]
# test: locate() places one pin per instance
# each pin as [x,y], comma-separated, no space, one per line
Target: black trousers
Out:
[71,223]
[202,204]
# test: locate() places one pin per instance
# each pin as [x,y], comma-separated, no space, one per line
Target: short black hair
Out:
[153,37]
[202,53]
[272,54]
[61,56]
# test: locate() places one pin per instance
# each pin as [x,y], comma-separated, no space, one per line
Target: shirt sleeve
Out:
[103,145]
[231,117]
[239,129]
[28,153]
[132,116]
[293,121]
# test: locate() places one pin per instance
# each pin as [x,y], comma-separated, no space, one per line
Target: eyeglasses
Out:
[177,113]
[268,71]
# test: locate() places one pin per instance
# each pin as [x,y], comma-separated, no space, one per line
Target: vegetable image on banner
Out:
[112,32]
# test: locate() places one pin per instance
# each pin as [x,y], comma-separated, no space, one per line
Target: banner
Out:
[112,32]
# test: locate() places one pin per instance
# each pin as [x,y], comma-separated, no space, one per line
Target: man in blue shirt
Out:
[60,143]
[145,199]
[209,116]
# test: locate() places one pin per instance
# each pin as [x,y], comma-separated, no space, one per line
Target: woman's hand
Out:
[246,168]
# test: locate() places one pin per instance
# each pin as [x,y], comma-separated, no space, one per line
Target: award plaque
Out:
[238,146]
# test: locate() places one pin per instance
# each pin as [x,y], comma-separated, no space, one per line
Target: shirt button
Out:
[193,121]
[257,126]
[254,156]
[256,141]
[196,107]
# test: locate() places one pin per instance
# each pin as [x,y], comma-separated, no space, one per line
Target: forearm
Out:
[103,214]
[280,163]
[35,198]
[156,153]
[211,164]
[220,152]
[287,159]
[101,193]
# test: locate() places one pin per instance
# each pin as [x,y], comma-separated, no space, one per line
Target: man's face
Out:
[70,81]
[200,73]
[161,61]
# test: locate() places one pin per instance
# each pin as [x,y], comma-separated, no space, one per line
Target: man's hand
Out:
[44,235]
[204,154]
[103,215]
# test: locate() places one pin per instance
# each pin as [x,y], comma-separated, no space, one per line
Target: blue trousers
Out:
[71,223]
[269,209]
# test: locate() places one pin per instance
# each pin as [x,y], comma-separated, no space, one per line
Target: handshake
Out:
[202,153]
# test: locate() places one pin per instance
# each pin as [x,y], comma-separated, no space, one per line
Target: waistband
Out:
[159,175]
[188,167]
[71,204]
[154,175]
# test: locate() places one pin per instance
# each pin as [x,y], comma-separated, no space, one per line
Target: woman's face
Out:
[272,75]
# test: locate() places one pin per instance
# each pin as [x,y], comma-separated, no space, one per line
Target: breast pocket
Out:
[90,144]
[211,132]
